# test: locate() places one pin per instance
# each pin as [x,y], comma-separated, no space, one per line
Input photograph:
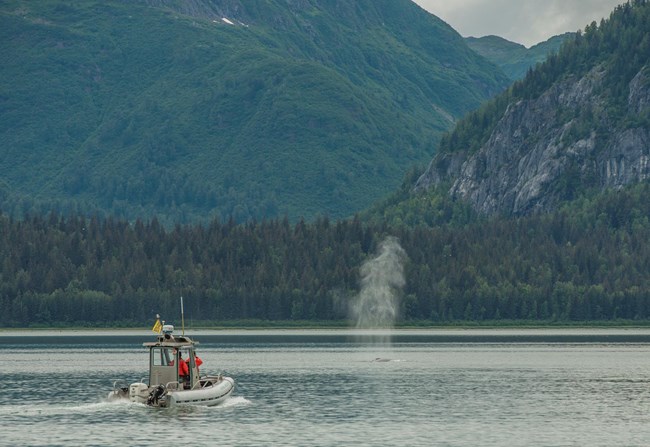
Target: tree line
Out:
[587,261]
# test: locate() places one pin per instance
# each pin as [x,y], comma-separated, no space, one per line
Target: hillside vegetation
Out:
[226,108]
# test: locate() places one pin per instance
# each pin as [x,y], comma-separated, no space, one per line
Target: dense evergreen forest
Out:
[588,261]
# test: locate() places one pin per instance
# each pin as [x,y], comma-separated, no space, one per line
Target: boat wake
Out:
[67,410]
[105,406]
[237,401]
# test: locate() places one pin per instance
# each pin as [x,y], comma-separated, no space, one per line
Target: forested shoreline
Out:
[589,261]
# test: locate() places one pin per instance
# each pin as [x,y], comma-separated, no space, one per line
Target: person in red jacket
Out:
[197,360]
[183,370]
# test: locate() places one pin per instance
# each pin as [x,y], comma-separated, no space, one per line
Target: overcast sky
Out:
[523,21]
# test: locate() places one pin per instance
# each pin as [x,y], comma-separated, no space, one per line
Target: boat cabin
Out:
[164,357]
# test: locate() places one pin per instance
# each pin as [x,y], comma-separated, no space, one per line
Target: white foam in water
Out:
[235,402]
[53,410]
[97,407]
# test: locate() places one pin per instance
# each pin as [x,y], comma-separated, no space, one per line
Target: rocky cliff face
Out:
[541,149]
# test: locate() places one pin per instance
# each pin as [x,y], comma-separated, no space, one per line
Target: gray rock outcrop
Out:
[540,150]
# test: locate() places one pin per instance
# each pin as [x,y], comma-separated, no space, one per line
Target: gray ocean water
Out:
[336,388]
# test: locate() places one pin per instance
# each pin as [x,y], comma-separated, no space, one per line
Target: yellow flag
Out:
[157,327]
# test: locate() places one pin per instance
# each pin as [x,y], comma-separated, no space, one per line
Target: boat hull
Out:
[206,396]
[213,391]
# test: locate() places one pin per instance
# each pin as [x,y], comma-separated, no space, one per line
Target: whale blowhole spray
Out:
[382,280]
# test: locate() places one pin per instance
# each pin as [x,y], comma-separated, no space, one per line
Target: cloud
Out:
[523,21]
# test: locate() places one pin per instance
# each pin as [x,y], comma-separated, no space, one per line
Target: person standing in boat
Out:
[183,370]
[197,361]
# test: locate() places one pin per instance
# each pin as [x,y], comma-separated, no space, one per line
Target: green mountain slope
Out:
[576,126]
[250,109]
[513,58]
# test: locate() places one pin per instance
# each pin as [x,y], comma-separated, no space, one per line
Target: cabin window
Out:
[162,356]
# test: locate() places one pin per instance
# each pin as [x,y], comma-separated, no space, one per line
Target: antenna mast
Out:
[182,317]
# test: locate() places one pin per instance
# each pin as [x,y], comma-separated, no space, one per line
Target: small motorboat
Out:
[166,386]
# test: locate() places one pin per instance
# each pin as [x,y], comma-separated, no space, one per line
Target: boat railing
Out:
[120,384]
[208,381]
[173,386]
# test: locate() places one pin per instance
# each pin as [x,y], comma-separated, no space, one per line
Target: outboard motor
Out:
[155,395]
[139,392]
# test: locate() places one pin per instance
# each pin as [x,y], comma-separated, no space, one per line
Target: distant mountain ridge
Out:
[231,108]
[577,124]
[513,58]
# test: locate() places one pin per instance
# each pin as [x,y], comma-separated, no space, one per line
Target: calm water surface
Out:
[328,388]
